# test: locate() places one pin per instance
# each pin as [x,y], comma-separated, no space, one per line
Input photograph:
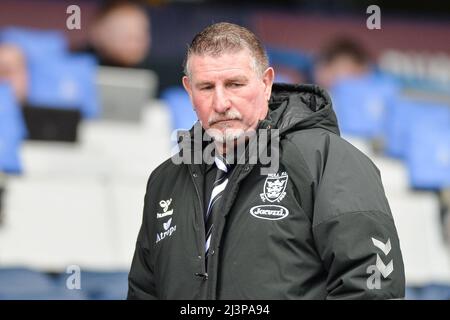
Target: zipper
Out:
[203,274]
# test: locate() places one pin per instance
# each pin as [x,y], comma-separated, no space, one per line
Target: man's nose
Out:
[221,102]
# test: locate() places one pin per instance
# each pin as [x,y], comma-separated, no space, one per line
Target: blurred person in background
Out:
[120,34]
[340,59]
[13,69]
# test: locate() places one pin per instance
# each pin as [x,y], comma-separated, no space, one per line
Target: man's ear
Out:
[268,77]
[187,86]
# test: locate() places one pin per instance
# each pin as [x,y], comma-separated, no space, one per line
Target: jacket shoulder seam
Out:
[352,212]
[161,168]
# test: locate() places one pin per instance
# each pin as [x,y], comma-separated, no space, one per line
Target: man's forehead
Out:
[233,63]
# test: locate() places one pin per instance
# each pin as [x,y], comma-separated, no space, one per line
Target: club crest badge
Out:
[274,187]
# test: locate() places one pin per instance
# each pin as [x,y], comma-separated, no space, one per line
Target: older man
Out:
[319,227]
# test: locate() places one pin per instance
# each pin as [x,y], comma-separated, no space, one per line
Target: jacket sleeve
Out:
[141,283]
[353,228]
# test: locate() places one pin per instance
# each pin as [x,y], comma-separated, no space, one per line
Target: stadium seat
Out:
[57,79]
[62,222]
[12,131]
[433,291]
[360,103]
[21,283]
[36,44]
[401,117]
[294,60]
[125,150]
[428,156]
[180,107]
[101,285]
[425,256]
[66,82]
[127,202]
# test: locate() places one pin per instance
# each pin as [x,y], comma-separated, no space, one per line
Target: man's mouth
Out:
[223,122]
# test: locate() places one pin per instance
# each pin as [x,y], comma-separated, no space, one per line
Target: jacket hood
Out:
[295,107]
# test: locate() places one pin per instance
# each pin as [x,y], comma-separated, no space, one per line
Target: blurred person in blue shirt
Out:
[13,69]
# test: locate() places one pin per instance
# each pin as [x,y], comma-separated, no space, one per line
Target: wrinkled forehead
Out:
[229,62]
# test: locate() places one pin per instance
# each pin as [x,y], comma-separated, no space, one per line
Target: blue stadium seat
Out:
[36,44]
[12,131]
[180,108]
[10,161]
[360,102]
[428,292]
[66,82]
[101,285]
[428,156]
[57,79]
[402,114]
[25,284]
[292,59]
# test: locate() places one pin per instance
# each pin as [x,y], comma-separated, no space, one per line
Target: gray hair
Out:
[227,37]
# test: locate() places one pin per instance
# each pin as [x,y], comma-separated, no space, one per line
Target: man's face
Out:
[228,94]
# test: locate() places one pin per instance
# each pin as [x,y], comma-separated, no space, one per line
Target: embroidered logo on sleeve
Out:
[380,269]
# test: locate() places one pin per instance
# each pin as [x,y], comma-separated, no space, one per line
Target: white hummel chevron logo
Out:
[385,270]
[379,269]
[386,248]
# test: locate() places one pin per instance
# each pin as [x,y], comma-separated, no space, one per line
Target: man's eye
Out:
[236,84]
[206,88]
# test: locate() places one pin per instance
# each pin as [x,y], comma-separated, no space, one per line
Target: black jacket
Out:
[320,229]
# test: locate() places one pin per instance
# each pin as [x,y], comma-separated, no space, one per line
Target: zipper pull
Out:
[204,276]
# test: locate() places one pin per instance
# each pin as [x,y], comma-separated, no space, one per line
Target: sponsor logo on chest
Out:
[273,192]
[269,212]
[168,231]
[167,226]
